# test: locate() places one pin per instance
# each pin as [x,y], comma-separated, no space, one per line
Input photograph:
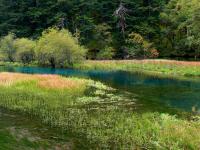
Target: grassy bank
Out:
[152,67]
[101,116]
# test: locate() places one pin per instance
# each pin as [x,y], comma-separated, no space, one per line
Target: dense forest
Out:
[111,29]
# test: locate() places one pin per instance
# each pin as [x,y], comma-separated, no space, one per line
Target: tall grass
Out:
[103,117]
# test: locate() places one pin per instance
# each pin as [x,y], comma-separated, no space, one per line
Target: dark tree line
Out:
[106,35]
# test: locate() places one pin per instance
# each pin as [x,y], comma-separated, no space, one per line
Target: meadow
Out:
[99,116]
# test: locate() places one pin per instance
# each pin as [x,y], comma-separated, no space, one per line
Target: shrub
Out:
[137,46]
[154,53]
[7,49]
[25,50]
[106,53]
[100,42]
[58,48]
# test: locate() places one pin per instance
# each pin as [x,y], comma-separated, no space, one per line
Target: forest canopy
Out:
[167,28]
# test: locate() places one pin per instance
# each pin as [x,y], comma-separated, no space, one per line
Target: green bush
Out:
[137,46]
[24,50]
[58,48]
[7,49]
[106,53]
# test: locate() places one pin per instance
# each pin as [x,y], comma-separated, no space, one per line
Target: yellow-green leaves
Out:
[58,48]
[25,50]
[7,49]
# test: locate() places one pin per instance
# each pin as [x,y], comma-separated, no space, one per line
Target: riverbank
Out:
[100,116]
[157,67]
[166,68]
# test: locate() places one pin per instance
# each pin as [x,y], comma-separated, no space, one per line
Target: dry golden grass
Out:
[11,78]
[55,81]
[46,81]
[154,61]
[173,62]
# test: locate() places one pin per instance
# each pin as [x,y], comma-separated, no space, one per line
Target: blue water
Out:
[152,92]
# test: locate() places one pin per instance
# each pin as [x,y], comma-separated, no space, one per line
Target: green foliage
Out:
[107,53]
[7,48]
[180,28]
[101,39]
[171,26]
[28,18]
[135,46]
[58,48]
[25,50]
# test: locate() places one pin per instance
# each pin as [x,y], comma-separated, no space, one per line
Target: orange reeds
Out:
[55,81]
[46,81]
[11,78]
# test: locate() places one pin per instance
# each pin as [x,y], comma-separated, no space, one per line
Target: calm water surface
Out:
[152,92]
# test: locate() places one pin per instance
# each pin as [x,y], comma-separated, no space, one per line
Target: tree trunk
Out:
[52,62]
